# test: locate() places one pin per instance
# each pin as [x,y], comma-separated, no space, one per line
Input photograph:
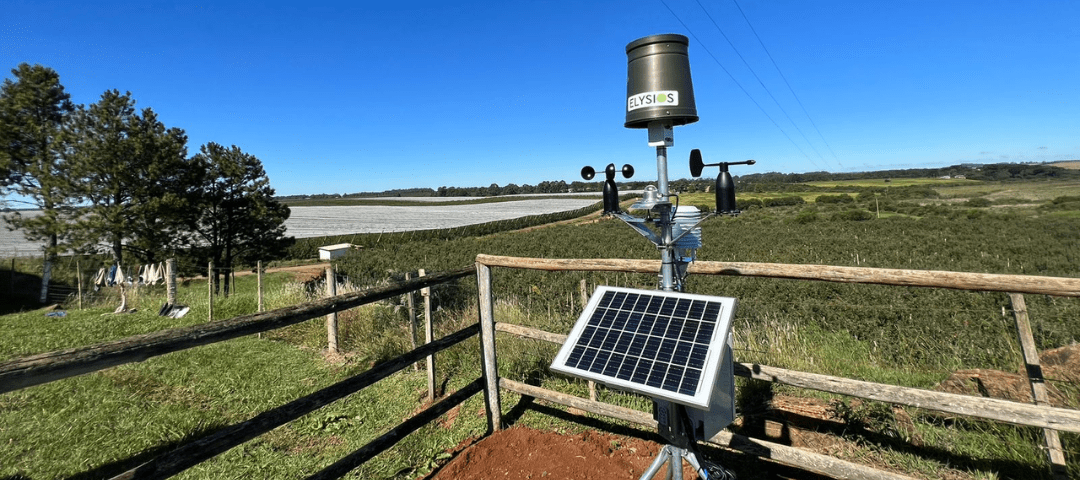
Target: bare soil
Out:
[805,423]
[525,453]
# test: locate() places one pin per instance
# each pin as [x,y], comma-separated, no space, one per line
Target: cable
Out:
[732,77]
[752,72]
[786,83]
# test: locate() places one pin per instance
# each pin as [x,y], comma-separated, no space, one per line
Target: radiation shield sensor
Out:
[663,344]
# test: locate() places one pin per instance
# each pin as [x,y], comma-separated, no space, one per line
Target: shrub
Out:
[748,203]
[806,216]
[782,201]
[1063,203]
[853,215]
[978,202]
[1066,199]
[841,198]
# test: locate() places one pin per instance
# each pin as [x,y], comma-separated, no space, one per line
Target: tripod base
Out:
[673,457]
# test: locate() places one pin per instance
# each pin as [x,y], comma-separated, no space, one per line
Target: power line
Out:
[752,72]
[732,77]
[786,82]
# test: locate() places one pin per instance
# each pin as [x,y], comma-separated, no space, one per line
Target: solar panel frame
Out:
[666,345]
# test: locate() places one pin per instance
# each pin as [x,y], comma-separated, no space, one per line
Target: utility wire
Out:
[786,82]
[752,72]
[732,77]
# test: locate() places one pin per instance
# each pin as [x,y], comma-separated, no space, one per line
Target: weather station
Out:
[672,346]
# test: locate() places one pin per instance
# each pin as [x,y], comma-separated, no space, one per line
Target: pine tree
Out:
[239,218]
[133,176]
[32,110]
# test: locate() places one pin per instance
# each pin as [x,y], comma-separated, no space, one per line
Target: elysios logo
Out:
[666,98]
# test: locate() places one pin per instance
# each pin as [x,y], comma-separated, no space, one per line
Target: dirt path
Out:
[303,272]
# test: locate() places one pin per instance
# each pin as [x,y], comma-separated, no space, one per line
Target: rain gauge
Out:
[672,346]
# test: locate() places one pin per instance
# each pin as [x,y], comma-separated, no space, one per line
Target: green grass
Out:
[33,332]
[103,423]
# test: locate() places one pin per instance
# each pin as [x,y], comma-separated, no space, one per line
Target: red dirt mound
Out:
[524,453]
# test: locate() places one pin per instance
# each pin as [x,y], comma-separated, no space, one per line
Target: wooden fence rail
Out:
[1064,419]
[809,461]
[1049,418]
[1060,286]
[47,367]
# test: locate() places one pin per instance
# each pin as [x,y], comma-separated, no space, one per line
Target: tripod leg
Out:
[690,457]
[675,463]
[663,457]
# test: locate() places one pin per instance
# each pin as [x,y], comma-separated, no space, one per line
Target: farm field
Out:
[322,221]
[325,221]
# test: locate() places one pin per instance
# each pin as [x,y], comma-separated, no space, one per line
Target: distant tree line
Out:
[112,179]
[770,181]
[988,172]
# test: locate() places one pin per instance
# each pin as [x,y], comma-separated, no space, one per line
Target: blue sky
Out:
[370,96]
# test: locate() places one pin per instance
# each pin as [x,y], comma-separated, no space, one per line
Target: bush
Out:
[1065,199]
[748,203]
[834,199]
[978,202]
[853,215]
[1063,203]
[782,201]
[806,216]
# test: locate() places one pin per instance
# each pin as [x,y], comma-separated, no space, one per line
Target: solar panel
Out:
[662,344]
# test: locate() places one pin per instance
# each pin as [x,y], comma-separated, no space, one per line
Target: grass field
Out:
[1069,164]
[896,182]
[100,424]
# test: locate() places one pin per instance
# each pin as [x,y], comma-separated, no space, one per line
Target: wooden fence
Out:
[42,368]
[48,367]
[1049,418]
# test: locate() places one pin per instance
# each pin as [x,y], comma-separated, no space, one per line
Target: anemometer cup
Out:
[611,191]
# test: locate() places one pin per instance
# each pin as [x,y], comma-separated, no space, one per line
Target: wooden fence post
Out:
[210,291]
[584,303]
[487,350]
[1038,386]
[259,289]
[78,279]
[170,281]
[411,303]
[428,337]
[331,318]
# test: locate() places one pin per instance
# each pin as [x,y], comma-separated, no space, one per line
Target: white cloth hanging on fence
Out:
[146,274]
[99,278]
[159,273]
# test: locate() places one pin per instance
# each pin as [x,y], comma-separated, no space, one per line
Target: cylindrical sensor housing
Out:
[658,85]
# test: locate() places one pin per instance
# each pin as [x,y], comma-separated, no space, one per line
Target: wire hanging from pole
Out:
[732,77]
